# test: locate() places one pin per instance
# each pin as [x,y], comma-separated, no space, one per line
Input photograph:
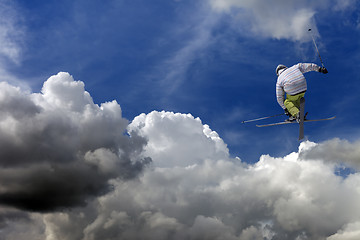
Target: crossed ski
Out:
[288,122]
[301,122]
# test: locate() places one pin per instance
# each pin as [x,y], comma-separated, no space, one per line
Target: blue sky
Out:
[215,62]
[122,119]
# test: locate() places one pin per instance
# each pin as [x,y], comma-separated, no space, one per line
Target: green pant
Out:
[292,103]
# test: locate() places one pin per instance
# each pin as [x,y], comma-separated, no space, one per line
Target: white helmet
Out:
[279,67]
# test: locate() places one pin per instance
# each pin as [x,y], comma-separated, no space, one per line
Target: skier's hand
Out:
[323,70]
[287,112]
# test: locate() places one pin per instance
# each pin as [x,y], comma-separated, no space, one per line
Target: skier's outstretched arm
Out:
[307,67]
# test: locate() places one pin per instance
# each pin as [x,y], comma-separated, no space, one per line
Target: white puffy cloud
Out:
[336,151]
[203,193]
[172,145]
[192,189]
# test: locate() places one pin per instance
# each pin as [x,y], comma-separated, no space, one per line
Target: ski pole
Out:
[312,36]
[257,119]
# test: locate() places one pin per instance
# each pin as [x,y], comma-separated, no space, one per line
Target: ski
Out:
[301,123]
[262,118]
[288,122]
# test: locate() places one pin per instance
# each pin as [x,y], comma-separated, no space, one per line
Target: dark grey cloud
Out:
[58,148]
[51,188]
[16,224]
[7,216]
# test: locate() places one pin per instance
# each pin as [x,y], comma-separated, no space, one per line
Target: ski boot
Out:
[293,118]
[296,118]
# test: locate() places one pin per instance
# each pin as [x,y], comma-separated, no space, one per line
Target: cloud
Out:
[194,36]
[12,39]
[171,145]
[351,232]
[337,151]
[192,188]
[276,19]
[344,5]
[58,148]
[28,226]
[11,31]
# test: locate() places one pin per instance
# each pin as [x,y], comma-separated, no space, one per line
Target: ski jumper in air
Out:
[292,82]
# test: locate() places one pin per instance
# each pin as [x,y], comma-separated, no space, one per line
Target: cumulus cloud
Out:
[195,190]
[336,151]
[57,147]
[192,189]
[171,145]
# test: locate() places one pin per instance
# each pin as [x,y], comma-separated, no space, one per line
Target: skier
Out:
[292,82]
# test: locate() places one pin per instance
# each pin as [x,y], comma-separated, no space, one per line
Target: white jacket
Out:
[292,81]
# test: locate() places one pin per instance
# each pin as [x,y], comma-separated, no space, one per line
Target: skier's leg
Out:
[290,106]
[292,103]
[299,96]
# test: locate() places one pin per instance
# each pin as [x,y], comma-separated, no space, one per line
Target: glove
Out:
[287,112]
[323,70]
